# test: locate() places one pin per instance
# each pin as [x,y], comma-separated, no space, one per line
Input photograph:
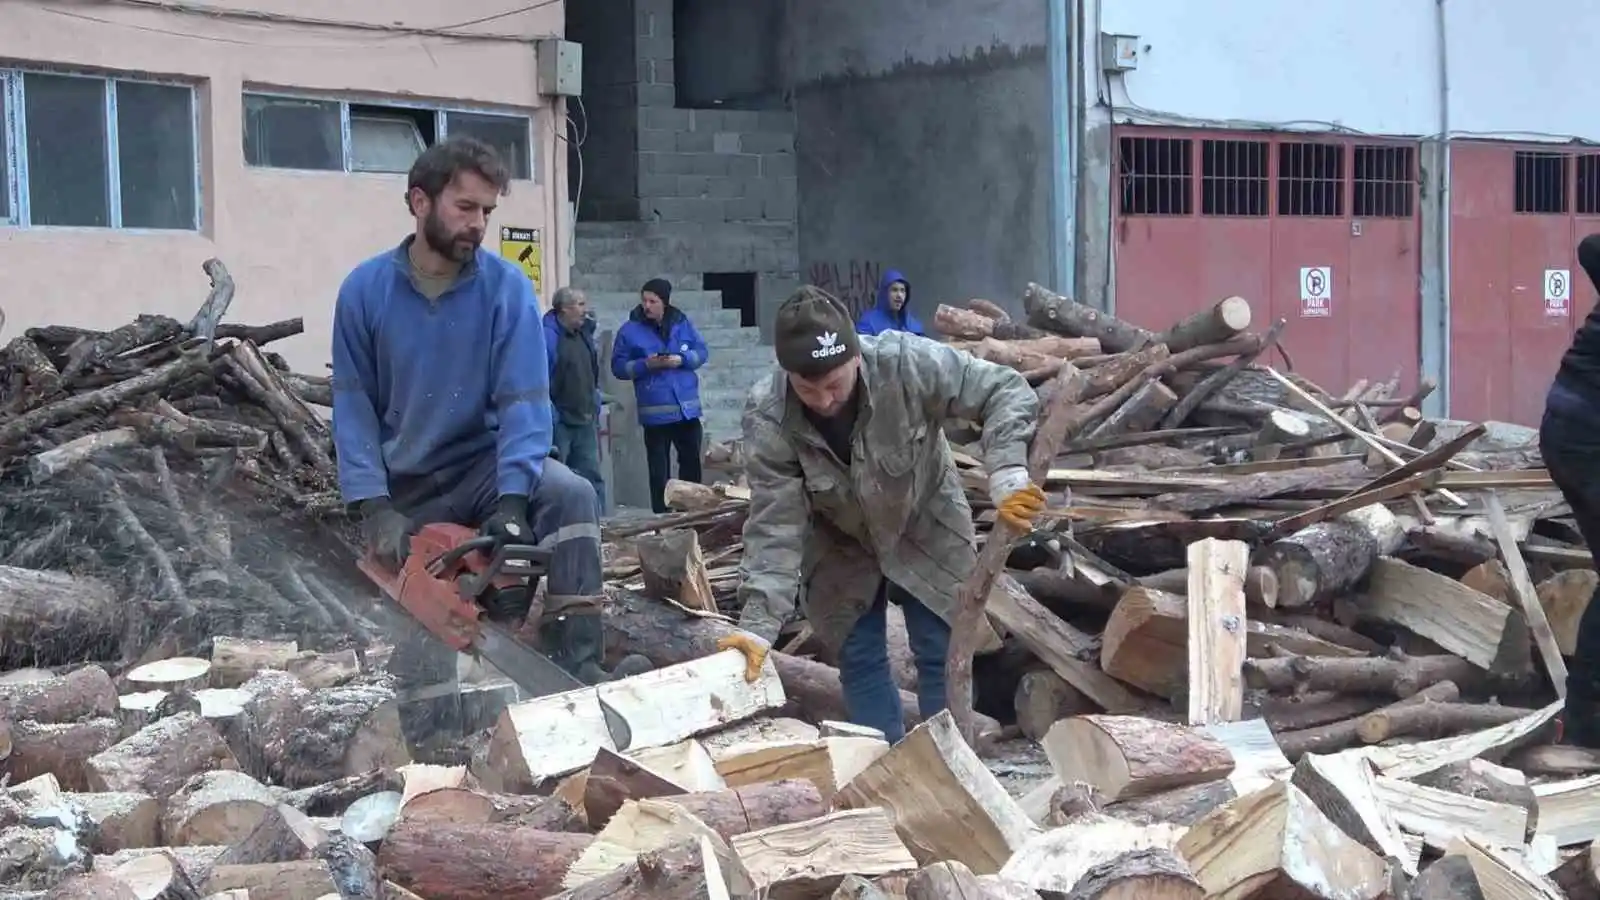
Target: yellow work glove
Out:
[753,648]
[1017,499]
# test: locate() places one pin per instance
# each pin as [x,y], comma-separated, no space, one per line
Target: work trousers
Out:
[563,516]
[1569,441]
[870,693]
[578,445]
[659,443]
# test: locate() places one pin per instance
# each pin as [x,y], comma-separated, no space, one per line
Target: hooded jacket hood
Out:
[882,316]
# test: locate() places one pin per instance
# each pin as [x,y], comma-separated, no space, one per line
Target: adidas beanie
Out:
[813,333]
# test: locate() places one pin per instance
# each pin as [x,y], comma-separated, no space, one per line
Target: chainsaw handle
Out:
[458,552]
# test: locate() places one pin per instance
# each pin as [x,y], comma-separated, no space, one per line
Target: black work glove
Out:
[509,524]
[386,531]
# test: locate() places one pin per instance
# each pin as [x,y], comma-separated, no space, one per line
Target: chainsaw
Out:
[452,581]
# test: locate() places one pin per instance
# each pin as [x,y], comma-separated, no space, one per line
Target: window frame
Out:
[14,166]
[441,125]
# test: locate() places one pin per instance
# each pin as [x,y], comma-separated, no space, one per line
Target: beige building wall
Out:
[288,236]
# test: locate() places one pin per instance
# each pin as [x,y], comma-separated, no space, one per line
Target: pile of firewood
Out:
[1248,597]
[162,482]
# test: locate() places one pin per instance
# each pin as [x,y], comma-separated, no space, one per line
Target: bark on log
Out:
[299,738]
[479,862]
[1063,315]
[1225,320]
[1030,355]
[1395,677]
[1336,736]
[968,325]
[1140,413]
[62,750]
[754,807]
[92,886]
[159,758]
[1427,721]
[80,694]
[1153,873]
[665,636]
[216,808]
[53,618]
[687,870]
[1319,561]
[1044,698]
[1129,756]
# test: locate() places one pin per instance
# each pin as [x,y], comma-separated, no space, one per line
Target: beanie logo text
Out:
[830,345]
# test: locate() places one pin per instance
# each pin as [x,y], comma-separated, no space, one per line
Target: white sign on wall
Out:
[1557,293]
[1316,292]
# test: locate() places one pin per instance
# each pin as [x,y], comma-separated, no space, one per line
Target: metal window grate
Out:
[1384,182]
[1155,176]
[1588,199]
[1233,178]
[1310,179]
[1541,182]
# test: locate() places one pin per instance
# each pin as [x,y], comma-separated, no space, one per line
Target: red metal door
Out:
[1516,293]
[1203,215]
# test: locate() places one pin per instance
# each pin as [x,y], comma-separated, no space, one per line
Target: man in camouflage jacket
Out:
[855,501]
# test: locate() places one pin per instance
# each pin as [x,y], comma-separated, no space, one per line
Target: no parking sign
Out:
[1316,292]
[1557,293]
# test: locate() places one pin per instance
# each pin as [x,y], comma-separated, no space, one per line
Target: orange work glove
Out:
[1021,508]
[753,648]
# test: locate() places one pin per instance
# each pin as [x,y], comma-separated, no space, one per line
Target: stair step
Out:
[628,282]
[703,319]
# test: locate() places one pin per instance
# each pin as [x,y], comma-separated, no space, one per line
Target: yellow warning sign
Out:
[521,246]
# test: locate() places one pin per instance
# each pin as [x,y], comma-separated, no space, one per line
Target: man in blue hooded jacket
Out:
[659,349]
[441,411]
[893,311]
[575,384]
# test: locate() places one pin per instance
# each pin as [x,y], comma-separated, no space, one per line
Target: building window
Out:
[94,152]
[1541,182]
[1155,176]
[1233,178]
[287,132]
[1310,179]
[1588,184]
[1385,180]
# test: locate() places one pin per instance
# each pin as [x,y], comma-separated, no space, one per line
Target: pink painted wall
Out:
[288,237]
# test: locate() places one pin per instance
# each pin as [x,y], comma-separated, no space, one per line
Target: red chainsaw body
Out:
[436,599]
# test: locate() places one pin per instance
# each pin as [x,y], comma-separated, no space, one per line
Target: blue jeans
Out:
[870,693]
[579,447]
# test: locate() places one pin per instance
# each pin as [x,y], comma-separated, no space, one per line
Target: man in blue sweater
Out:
[441,408]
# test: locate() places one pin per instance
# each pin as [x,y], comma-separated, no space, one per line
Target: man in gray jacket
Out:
[855,501]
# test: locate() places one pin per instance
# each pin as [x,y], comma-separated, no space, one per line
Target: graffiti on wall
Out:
[854,282]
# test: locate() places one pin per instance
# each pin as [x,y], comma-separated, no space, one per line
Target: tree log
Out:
[92,886]
[80,694]
[1395,677]
[1063,315]
[1044,698]
[1336,736]
[686,870]
[120,821]
[1129,756]
[159,758]
[1223,321]
[965,324]
[1030,355]
[665,636]
[1153,873]
[216,808]
[1140,413]
[1427,721]
[300,738]
[236,660]
[753,807]
[479,862]
[1322,560]
[62,750]
[53,618]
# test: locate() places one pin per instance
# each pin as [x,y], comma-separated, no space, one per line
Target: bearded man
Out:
[441,408]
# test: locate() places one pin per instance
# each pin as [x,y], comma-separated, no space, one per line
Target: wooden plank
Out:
[1526,596]
[1217,631]
[1290,524]
[1057,644]
[1569,811]
[1521,479]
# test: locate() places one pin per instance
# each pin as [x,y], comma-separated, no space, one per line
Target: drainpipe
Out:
[1063,148]
[1439,403]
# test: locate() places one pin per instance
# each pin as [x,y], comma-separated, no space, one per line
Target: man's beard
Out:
[457,247]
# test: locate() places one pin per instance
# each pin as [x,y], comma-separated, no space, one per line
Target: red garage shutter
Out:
[1201,215]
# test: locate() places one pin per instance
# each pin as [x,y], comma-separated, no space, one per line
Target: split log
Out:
[159,758]
[49,463]
[1225,320]
[1150,874]
[1063,315]
[1276,843]
[1479,779]
[159,876]
[1480,629]
[1044,698]
[1322,560]
[1564,597]
[640,826]
[479,862]
[334,797]
[324,670]
[942,798]
[1141,412]
[1128,756]
[667,637]
[1217,630]
[1055,861]
[1579,876]
[829,763]
[701,695]
[215,808]
[808,859]
[686,870]
[53,618]
[1345,789]
[613,779]
[80,694]
[674,569]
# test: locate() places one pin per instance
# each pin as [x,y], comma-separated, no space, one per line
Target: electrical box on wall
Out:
[560,67]
[1119,52]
